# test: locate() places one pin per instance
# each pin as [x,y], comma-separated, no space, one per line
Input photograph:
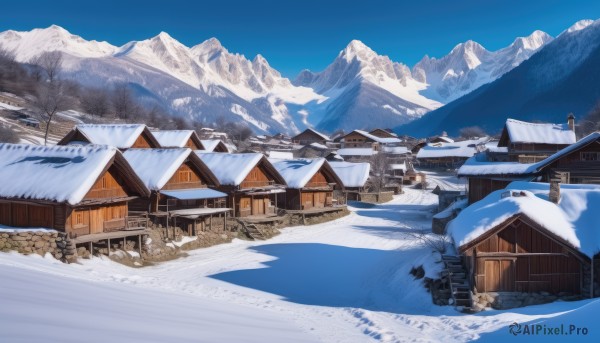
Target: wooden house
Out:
[250,181]
[183,189]
[354,177]
[579,163]
[84,191]
[214,145]
[178,139]
[121,136]
[309,136]
[516,240]
[383,133]
[363,139]
[532,142]
[310,184]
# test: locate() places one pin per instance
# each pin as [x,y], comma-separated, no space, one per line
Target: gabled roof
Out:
[385,132]
[356,152]
[232,169]
[176,138]
[352,174]
[298,172]
[309,130]
[156,167]
[122,136]
[375,138]
[478,166]
[517,131]
[500,206]
[59,173]
[211,144]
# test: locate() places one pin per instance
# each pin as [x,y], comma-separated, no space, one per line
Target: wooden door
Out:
[96,220]
[307,200]
[258,206]
[320,199]
[499,276]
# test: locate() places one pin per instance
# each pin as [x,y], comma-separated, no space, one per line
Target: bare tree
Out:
[122,102]
[380,165]
[50,63]
[95,102]
[50,99]
[590,123]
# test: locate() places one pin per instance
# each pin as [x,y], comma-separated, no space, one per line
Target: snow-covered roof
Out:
[155,167]
[230,169]
[318,146]
[287,155]
[525,132]
[297,172]
[398,166]
[496,208]
[445,139]
[478,165]
[54,173]
[194,194]
[173,138]
[378,139]
[122,136]
[356,152]
[211,144]
[325,137]
[429,151]
[352,174]
[395,150]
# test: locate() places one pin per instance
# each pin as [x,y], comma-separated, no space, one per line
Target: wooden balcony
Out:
[256,184]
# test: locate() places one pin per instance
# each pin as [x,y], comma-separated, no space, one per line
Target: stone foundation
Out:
[376,198]
[316,218]
[508,300]
[39,242]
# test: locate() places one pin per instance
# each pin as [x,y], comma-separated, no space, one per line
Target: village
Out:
[516,228]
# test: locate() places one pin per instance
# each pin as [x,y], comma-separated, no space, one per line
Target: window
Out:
[104,182]
[590,156]
[78,218]
[185,176]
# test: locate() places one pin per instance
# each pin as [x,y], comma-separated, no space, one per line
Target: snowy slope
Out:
[343,281]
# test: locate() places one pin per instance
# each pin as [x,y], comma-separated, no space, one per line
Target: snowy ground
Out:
[343,281]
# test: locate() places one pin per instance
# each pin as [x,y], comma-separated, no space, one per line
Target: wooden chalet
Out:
[383,133]
[532,142]
[535,248]
[449,155]
[309,136]
[178,139]
[183,189]
[310,184]
[84,191]
[121,136]
[578,163]
[363,139]
[250,181]
[354,177]
[214,145]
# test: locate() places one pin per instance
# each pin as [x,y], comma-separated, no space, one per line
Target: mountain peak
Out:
[534,41]
[580,25]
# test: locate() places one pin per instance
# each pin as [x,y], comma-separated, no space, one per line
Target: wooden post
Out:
[140,245]
[210,223]
[225,221]
[91,249]
[109,247]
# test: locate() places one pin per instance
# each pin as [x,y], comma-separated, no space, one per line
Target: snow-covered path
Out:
[343,281]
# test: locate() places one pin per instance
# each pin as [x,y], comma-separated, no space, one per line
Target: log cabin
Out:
[214,145]
[449,155]
[310,136]
[121,136]
[383,133]
[183,189]
[363,139]
[520,240]
[579,163]
[532,142]
[178,139]
[81,190]
[310,184]
[250,181]
[354,177]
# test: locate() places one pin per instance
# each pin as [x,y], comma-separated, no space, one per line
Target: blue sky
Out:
[294,35]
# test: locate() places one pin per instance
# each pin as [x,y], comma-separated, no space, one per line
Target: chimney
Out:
[571,122]
[554,195]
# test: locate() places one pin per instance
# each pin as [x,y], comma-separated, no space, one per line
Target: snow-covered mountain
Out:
[359,89]
[560,79]
[469,65]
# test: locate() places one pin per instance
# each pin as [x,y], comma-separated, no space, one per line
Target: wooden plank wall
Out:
[107,186]
[185,177]
[256,178]
[521,258]
[26,215]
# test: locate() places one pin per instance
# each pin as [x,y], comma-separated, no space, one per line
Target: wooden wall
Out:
[308,137]
[256,205]
[356,140]
[97,219]
[141,143]
[479,188]
[318,180]
[109,185]
[256,178]
[191,144]
[186,177]
[523,258]
[27,215]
